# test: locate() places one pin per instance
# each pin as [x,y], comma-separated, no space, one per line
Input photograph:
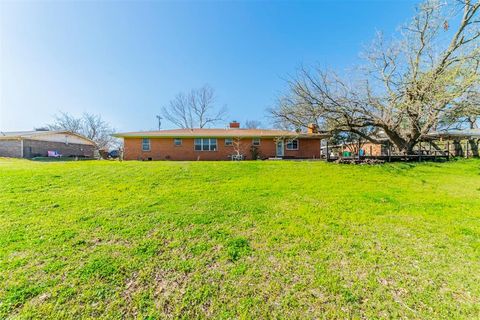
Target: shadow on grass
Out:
[61,159]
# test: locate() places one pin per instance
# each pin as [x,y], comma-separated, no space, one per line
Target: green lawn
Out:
[246,240]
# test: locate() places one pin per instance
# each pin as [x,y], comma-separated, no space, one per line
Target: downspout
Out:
[21,148]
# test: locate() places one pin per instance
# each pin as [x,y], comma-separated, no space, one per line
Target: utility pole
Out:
[159,118]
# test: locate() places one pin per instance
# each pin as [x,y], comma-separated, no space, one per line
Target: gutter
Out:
[309,136]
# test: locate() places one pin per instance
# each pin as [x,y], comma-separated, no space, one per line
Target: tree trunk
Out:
[458,148]
[472,142]
[473,122]
[396,139]
[410,146]
[405,145]
[474,147]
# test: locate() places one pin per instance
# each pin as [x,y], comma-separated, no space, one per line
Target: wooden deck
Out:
[394,158]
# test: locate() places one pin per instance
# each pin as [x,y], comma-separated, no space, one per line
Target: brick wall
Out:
[307,148]
[33,148]
[10,148]
[165,149]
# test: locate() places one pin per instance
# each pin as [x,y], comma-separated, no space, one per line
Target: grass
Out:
[245,240]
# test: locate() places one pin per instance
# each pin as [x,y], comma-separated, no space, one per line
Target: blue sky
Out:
[125,60]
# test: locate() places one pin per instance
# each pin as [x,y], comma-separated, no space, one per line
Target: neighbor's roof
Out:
[456,133]
[18,134]
[38,134]
[218,133]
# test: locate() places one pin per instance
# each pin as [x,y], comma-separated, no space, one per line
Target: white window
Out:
[256,141]
[205,144]
[228,141]
[145,144]
[177,142]
[292,144]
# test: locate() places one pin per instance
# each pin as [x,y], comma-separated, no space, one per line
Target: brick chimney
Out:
[234,125]
[312,128]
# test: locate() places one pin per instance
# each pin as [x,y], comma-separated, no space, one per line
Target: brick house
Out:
[30,144]
[220,144]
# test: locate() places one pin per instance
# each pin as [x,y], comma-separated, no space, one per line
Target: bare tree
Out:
[253,124]
[89,125]
[96,129]
[467,112]
[238,148]
[67,122]
[407,88]
[194,110]
[243,147]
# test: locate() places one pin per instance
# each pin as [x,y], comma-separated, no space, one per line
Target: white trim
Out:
[177,145]
[276,148]
[21,148]
[149,145]
[228,145]
[201,144]
[37,135]
[291,149]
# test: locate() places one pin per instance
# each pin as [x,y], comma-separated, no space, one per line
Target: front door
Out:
[279,148]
